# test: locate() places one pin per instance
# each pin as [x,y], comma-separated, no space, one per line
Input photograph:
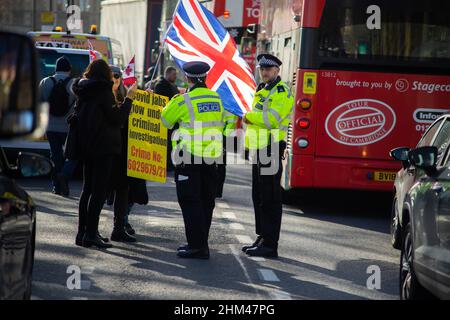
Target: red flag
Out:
[129,76]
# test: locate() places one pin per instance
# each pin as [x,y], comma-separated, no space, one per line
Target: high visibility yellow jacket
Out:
[230,123]
[200,115]
[270,115]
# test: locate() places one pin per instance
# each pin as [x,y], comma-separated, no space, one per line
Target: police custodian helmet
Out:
[267,60]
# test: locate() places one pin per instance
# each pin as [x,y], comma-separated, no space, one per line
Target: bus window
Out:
[47,59]
[117,54]
[418,32]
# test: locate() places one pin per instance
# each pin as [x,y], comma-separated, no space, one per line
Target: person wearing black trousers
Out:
[98,141]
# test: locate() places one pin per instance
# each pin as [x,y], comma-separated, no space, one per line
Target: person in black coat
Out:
[99,140]
[165,86]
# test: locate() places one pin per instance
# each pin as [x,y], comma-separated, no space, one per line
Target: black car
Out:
[20,115]
[421,214]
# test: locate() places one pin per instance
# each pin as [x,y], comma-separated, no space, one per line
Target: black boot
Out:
[64,185]
[183,247]
[89,241]
[104,239]
[121,235]
[194,253]
[254,245]
[129,229]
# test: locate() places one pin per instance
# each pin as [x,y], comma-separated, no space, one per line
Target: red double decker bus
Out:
[368,76]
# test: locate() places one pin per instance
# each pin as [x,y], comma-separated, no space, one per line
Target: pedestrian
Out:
[120,180]
[198,145]
[265,138]
[57,91]
[99,140]
[165,86]
[228,136]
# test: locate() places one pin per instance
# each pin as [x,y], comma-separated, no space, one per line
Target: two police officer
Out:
[265,139]
[197,148]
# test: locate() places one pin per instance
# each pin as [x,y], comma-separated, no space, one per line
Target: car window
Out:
[442,139]
[427,138]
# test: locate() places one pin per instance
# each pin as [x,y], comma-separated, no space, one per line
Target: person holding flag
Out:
[265,137]
[198,143]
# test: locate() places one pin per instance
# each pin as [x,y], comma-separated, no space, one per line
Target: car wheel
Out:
[30,263]
[396,234]
[410,288]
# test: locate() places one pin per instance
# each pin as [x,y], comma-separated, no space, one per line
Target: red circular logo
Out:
[360,122]
[401,85]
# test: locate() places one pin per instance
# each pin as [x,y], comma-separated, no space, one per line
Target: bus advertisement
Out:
[368,76]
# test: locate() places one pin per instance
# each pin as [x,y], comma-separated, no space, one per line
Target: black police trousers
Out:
[266,194]
[196,192]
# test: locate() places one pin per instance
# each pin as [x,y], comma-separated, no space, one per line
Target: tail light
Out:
[302,143]
[305,104]
[303,123]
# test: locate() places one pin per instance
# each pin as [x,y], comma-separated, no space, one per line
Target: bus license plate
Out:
[384,176]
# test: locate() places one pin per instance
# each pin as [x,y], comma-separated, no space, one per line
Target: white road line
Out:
[257,259]
[87,270]
[244,239]
[236,226]
[229,215]
[268,275]
[236,254]
[280,295]
[223,205]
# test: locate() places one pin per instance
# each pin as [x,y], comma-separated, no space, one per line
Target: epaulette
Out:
[281,88]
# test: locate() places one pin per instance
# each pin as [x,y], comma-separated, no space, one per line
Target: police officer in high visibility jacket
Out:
[265,137]
[197,148]
[230,122]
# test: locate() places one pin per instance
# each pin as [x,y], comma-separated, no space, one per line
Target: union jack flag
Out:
[197,35]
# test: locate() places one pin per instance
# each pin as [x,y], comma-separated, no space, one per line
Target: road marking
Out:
[257,259]
[268,275]
[236,226]
[229,215]
[247,276]
[223,205]
[87,270]
[280,295]
[244,239]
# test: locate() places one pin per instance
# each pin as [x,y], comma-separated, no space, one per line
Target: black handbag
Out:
[71,151]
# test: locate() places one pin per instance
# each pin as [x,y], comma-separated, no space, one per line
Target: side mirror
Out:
[18,85]
[400,154]
[33,165]
[424,158]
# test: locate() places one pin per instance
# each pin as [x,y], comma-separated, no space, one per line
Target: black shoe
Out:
[79,239]
[183,247]
[122,236]
[56,190]
[262,251]
[64,185]
[254,245]
[104,239]
[96,241]
[194,254]
[129,229]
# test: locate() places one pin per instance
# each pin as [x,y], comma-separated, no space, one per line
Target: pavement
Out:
[330,248]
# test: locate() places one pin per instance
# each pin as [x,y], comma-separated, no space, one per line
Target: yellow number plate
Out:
[384,176]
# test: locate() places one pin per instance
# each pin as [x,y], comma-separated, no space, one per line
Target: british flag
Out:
[197,35]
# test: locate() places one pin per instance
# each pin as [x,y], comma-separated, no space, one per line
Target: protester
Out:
[99,123]
[56,90]
[165,86]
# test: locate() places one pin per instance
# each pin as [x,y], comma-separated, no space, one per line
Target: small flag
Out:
[129,77]
[93,55]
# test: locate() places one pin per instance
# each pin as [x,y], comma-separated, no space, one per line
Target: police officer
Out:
[197,148]
[265,139]
[230,122]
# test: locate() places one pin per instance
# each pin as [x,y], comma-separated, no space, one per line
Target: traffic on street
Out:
[219,156]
